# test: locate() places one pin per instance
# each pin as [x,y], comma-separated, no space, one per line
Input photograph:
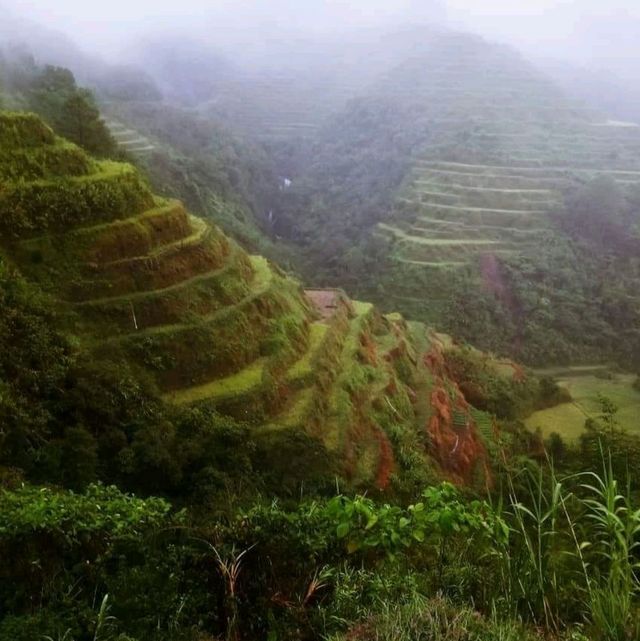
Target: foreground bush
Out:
[555,555]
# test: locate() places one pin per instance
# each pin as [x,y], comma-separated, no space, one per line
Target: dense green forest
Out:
[195,447]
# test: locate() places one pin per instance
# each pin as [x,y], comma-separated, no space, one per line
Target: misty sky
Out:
[592,31]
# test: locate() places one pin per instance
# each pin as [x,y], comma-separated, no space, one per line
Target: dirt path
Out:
[324,300]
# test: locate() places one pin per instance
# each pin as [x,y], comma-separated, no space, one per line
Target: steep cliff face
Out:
[138,279]
[455,440]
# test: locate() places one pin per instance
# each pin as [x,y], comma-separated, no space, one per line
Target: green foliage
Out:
[501,388]
[440,515]
[218,176]
[605,434]
[548,552]
[71,111]
[59,547]
[572,553]
[600,213]
[554,555]
[354,169]
[430,533]
[612,540]
[99,511]
[18,130]
[584,408]
[53,94]
[565,284]
[47,161]
[71,418]
[535,568]
[567,302]
[34,362]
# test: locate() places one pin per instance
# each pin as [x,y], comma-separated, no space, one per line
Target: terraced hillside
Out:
[129,140]
[488,181]
[456,218]
[458,106]
[506,145]
[137,279]
[142,277]
[453,213]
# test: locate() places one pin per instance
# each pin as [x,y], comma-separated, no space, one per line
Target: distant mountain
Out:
[449,182]
[603,90]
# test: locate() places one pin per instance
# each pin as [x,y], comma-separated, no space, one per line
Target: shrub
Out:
[116,192]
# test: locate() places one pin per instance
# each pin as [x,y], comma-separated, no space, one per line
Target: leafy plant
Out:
[534,568]
[611,535]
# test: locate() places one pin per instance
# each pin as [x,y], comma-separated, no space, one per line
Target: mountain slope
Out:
[451,181]
[138,281]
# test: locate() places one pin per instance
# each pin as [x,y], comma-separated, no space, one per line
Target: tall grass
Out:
[104,628]
[574,553]
[611,536]
[536,564]
[571,568]
[437,619]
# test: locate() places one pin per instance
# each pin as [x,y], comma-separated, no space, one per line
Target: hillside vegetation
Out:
[134,279]
[52,92]
[218,175]
[195,447]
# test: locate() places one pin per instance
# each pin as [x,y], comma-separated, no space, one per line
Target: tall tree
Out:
[71,111]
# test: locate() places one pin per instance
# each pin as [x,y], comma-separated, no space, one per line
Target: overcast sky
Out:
[594,31]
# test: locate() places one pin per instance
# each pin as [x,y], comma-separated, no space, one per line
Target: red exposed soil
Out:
[457,448]
[392,388]
[519,375]
[385,462]
[361,632]
[356,433]
[368,349]
[397,352]
[434,360]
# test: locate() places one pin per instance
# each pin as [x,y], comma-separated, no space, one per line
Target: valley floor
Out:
[587,385]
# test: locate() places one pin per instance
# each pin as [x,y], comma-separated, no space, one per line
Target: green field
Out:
[568,419]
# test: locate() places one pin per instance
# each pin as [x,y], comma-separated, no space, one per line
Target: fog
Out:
[598,35]
[598,32]
[111,27]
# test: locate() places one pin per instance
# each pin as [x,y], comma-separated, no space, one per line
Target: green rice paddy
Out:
[568,419]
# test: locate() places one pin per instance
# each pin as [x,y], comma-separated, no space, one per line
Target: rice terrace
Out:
[320,320]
